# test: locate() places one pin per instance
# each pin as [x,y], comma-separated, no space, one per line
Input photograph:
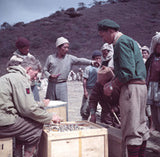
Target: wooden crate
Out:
[115,147]
[91,141]
[6,149]
[59,107]
[115,142]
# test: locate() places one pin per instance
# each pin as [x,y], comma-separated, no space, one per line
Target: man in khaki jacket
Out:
[21,117]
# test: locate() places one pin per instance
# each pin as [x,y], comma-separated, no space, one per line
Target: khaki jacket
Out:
[16,98]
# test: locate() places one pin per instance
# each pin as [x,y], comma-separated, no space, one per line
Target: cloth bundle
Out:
[104,75]
[154,42]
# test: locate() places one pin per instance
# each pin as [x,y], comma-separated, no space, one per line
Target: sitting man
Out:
[109,104]
[21,116]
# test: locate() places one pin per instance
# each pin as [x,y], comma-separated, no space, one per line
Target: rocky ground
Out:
[75,93]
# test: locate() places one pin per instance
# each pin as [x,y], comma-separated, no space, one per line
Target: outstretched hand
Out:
[54,76]
[95,64]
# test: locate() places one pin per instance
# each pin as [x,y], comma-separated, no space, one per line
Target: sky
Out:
[13,11]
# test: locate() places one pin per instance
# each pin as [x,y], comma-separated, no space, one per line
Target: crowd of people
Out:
[122,77]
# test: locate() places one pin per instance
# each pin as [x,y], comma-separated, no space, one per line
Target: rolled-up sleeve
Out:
[46,67]
[82,61]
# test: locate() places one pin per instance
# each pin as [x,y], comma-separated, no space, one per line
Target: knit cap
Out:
[22,42]
[96,53]
[61,40]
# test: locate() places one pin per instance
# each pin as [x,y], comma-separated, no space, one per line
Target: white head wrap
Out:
[107,46]
[155,40]
[60,41]
[145,48]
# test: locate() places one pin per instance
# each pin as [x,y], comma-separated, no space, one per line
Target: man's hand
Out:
[46,102]
[95,64]
[93,118]
[56,119]
[86,94]
[108,89]
[55,76]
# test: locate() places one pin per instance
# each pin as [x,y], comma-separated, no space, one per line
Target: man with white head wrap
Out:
[107,53]
[57,68]
[153,80]
[145,53]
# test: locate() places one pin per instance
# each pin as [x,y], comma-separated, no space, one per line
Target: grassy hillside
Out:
[137,18]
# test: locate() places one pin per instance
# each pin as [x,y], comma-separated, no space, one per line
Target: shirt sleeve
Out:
[78,61]
[46,68]
[27,106]
[86,72]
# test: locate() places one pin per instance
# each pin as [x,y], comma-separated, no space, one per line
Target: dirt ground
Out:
[75,93]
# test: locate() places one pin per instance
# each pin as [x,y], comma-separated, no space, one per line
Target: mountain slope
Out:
[138,18]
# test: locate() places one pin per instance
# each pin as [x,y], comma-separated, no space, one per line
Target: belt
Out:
[62,81]
[142,82]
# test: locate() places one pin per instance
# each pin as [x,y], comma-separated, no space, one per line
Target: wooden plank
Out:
[106,149]
[59,110]
[87,142]
[81,147]
[6,149]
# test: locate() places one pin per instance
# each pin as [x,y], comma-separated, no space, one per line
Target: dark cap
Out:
[22,42]
[107,23]
[96,53]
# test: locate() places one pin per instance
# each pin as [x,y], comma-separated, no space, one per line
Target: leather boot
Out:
[30,151]
[133,150]
[142,149]
[18,151]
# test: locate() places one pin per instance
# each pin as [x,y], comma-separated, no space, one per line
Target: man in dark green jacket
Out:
[20,116]
[130,75]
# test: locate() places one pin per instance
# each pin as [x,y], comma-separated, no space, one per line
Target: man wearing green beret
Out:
[130,75]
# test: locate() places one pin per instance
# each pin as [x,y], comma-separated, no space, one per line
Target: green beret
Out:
[107,23]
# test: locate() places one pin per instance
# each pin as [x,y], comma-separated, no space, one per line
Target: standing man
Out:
[153,81]
[89,80]
[145,53]
[57,68]
[21,116]
[130,75]
[22,45]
